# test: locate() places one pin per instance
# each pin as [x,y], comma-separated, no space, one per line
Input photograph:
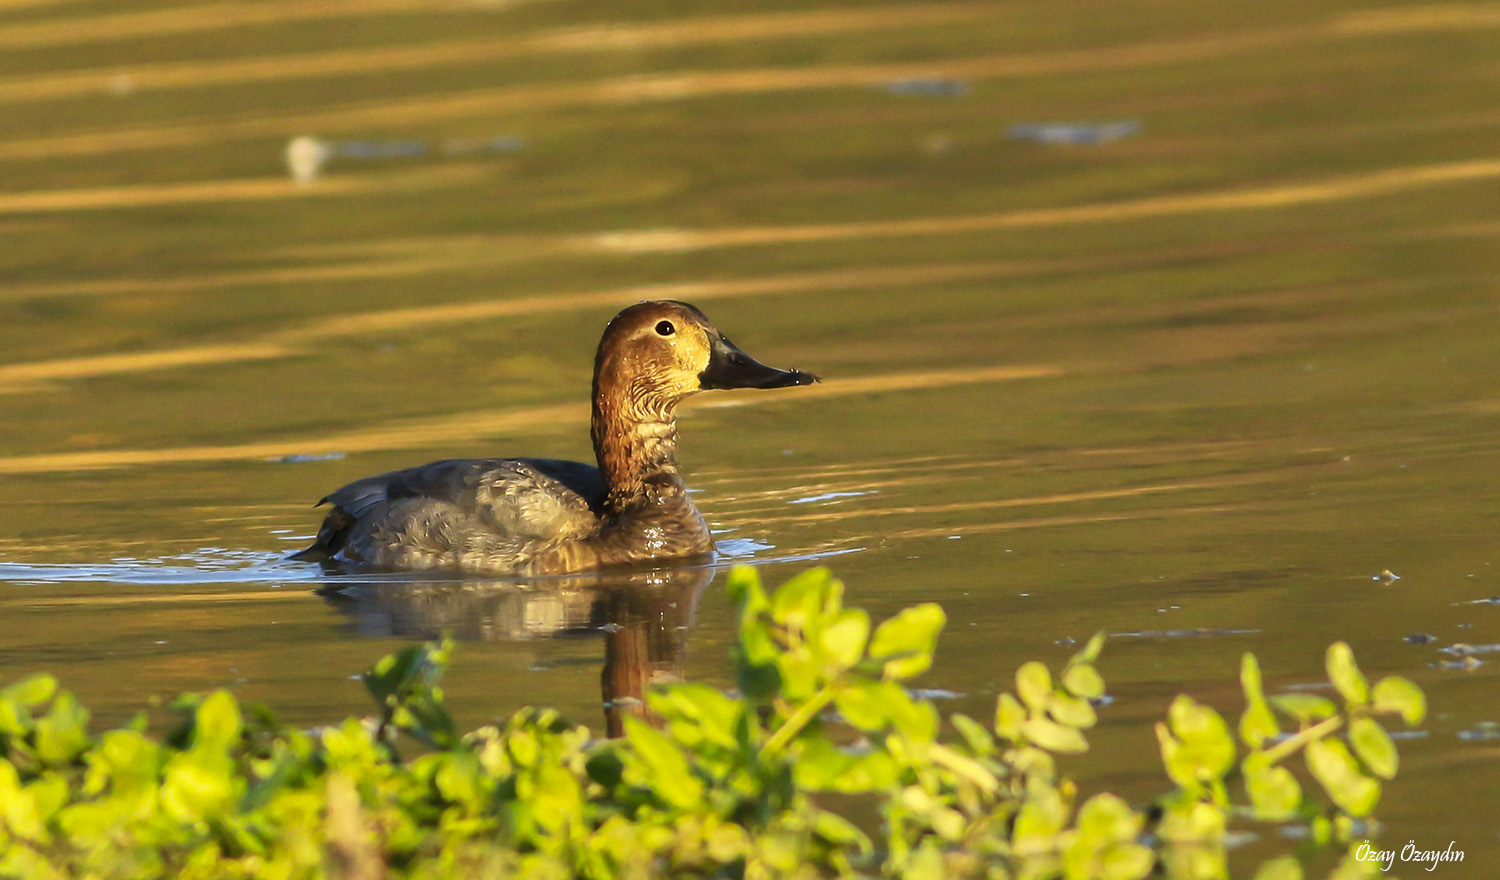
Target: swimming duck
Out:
[536,516]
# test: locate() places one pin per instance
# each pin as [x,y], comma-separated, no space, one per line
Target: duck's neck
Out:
[635,439]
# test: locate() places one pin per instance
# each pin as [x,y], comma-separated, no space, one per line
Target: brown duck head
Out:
[652,356]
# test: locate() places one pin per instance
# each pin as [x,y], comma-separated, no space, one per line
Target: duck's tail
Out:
[331,537]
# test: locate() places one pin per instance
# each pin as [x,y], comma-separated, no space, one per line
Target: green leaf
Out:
[1072,711]
[755,653]
[715,715]
[667,772]
[217,721]
[1009,715]
[1126,861]
[916,720]
[1190,820]
[1083,680]
[744,588]
[821,765]
[1258,724]
[1180,773]
[1033,763]
[457,778]
[557,803]
[197,785]
[905,642]
[1202,750]
[875,771]
[1373,746]
[15,720]
[409,669]
[48,792]
[127,761]
[1106,818]
[948,823]
[1396,694]
[17,699]
[1034,685]
[729,842]
[62,734]
[1305,708]
[1345,675]
[1041,817]
[1334,768]
[871,705]
[979,740]
[18,811]
[523,747]
[966,768]
[839,831]
[1207,746]
[1054,737]
[801,675]
[31,691]
[1089,652]
[1284,868]
[757,646]
[844,639]
[758,683]
[926,862]
[1273,789]
[405,685]
[1250,681]
[604,765]
[799,602]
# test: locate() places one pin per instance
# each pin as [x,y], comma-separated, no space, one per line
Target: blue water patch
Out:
[208,565]
[741,548]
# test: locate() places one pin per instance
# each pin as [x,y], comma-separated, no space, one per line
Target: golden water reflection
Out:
[642,617]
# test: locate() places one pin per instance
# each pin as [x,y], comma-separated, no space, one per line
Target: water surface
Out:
[1198,387]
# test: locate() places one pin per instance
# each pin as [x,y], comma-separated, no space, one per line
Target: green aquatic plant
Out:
[1346,750]
[714,784]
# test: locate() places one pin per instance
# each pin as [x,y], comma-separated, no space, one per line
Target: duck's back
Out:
[494,515]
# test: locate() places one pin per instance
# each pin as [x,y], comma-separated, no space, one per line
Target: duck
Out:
[542,516]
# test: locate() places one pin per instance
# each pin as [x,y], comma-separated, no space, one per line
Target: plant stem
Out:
[1302,738]
[800,719]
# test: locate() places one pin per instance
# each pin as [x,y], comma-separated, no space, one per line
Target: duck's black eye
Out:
[665,328]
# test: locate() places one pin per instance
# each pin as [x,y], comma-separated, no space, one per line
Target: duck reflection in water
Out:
[643,615]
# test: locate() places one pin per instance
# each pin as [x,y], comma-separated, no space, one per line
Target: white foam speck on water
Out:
[827,496]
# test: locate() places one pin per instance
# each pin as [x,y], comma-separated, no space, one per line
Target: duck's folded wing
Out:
[523,498]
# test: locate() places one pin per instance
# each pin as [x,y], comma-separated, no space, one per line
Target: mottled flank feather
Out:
[474,513]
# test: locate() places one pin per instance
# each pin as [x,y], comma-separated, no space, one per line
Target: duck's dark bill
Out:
[728,367]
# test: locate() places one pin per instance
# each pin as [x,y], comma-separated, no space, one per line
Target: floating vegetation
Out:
[306,155]
[1182,633]
[702,783]
[1074,133]
[303,458]
[1483,731]
[1463,649]
[934,87]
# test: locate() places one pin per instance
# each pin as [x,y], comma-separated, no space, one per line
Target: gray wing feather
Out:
[516,499]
